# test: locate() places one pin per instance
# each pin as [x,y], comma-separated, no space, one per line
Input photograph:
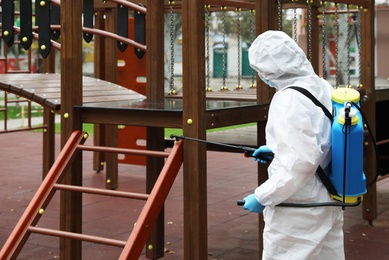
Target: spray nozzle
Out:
[347,117]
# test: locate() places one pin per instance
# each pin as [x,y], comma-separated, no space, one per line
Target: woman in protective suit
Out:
[299,135]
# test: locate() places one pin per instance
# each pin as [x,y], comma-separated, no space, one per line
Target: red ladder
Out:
[132,248]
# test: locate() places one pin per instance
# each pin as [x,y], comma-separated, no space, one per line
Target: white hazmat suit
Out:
[299,134]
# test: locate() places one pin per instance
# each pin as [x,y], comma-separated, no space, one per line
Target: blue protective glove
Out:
[263,154]
[251,204]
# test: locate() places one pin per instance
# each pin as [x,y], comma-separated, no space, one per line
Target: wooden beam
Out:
[49,121]
[315,40]
[110,74]
[369,205]
[236,3]
[71,95]
[155,92]
[364,3]
[48,140]
[235,116]
[266,19]
[155,51]
[99,71]
[264,22]
[195,181]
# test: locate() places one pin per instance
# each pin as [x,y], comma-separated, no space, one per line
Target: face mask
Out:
[266,81]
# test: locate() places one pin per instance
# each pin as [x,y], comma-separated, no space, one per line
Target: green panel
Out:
[218,63]
[246,69]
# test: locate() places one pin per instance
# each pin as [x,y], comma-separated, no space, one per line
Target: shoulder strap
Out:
[326,181]
[314,100]
[320,172]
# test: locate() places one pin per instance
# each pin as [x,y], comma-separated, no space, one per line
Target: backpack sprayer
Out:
[347,173]
[346,182]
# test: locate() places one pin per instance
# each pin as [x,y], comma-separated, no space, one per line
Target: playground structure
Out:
[192,112]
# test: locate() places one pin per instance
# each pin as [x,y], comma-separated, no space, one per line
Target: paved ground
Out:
[232,232]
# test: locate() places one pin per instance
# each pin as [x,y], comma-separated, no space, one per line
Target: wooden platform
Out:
[44,89]
[108,103]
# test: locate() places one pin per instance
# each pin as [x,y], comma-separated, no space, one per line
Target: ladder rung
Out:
[113,193]
[83,237]
[122,150]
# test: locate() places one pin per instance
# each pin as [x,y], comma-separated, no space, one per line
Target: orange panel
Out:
[132,137]
[131,71]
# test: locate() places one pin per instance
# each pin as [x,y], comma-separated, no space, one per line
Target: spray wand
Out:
[248,151]
[267,157]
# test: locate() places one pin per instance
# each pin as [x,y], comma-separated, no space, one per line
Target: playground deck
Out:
[45,89]
[232,232]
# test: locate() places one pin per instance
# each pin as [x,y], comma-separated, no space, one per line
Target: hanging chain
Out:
[348,47]
[252,35]
[279,14]
[207,15]
[295,20]
[359,48]
[239,50]
[336,45]
[324,42]
[171,16]
[309,2]
[224,87]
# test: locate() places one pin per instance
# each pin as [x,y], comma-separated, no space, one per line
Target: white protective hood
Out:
[278,58]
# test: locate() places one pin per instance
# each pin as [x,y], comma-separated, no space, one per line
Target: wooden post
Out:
[155,91]
[99,71]
[369,205]
[71,95]
[265,20]
[315,40]
[49,121]
[48,141]
[110,74]
[195,181]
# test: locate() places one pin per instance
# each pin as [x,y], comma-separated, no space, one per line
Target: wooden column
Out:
[368,106]
[265,20]
[71,95]
[155,93]
[110,74]
[195,181]
[315,40]
[48,141]
[49,121]
[99,73]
